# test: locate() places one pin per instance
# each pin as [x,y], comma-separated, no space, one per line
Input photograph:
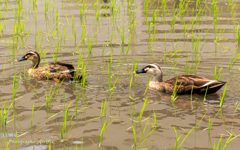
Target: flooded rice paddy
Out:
[109,40]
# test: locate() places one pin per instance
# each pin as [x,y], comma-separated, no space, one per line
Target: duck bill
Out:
[21,59]
[140,71]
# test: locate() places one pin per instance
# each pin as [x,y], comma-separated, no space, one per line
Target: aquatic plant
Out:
[15,85]
[4,113]
[64,130]
[50,95]
[219,146]
[176,147]
[222,98]
[175,90]
[142,139]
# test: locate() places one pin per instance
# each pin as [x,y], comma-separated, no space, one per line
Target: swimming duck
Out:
[51,71]
[186,83]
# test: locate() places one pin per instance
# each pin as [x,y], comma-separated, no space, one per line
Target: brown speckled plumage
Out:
[186,83]
[51,71]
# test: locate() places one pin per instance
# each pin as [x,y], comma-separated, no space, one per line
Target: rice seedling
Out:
[38,41]
[150,118]
[215,9]
[50,95]
[2,25]
[146,4]
[7,145]
[55,55]
[90,46]
[129,43]
[132,19]
[97,12]
[218,38]
[172,70]
[63,129]
[186,66]
[222,98]
[16,140]
[166,53]
[15,85]
[83,10]
[81,66]
[34,5]
[111,73]
[238,35]
[216,75]
[116,78]
[32,119]
[49,146]
[122,32]
[174,17]
[112,6]
[175,90]
[211,122]
[155,15]
[219,146]
[152,39]
[143,108]
[164,7]
[56,21]
[185,30]
[155,118]
[26,37]
[205,95]
[134,67]
[103,108]
[233,11]
[4,69]
[233,61]
[147,86]
[4,113]
[33,116]
[237,105]
[47,5]
[142,139]
[176,147]
[105,125]
[104,128]
[132,109]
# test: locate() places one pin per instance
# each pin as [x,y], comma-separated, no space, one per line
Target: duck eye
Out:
[150,67]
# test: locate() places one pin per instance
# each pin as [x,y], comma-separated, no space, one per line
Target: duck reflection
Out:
[41,87]
[194,102]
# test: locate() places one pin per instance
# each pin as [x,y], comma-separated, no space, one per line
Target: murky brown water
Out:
[87,123]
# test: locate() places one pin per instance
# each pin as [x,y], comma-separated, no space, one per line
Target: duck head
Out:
[152,69]
[31,55]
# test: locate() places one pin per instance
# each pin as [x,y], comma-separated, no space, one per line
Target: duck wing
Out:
[60,67]
[196,83]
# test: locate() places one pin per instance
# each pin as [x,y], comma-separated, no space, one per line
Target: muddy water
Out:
[183,114]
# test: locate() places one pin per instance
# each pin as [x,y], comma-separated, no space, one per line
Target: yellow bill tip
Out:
[16,60]
[134,72]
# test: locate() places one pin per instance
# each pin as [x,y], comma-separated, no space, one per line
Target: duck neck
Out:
[158,77]
[35,64]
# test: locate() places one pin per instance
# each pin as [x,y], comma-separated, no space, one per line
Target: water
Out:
[170,53]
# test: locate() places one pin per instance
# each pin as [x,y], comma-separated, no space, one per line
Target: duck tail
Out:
[214,87]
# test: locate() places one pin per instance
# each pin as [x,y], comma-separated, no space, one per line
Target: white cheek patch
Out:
[150,71]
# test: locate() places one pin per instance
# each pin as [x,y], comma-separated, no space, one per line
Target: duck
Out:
[185,83]
[51,71]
